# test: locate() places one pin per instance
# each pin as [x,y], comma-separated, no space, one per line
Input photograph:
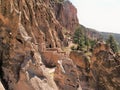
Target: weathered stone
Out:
[66,14]
[66,75]
[105,68]
[1,86]
[28,28]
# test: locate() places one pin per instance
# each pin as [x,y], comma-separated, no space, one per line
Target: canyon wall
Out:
[27,29]
[32,35]
[66,14]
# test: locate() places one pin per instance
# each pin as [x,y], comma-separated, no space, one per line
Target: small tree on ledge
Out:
[78,38]
[113,44]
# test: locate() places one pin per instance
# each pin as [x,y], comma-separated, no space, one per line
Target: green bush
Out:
[81,39]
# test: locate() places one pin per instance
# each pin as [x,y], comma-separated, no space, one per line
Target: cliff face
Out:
[20,46]
[105,68]
[66,14]
[31,37]
[99,70]
[27,29]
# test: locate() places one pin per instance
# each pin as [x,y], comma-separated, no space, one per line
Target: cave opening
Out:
[50,46]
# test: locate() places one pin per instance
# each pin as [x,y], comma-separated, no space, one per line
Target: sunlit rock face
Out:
[66,14]
[98,71]
[27,28]
[67,76]
[31,58]
[105,68]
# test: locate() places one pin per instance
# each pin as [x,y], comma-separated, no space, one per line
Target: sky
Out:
[102,15]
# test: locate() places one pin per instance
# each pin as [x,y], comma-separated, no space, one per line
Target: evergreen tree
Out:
[87,42]
[78,38]
[81,39]
[113,44]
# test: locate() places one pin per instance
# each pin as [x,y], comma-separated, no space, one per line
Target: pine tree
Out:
[113,44]
[78,38]
[87,42]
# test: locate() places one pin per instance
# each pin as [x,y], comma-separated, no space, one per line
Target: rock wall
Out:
[98,71]
[66,14]
[27,28]
[83,64]
[20,60]
[31,37]
[66,75]
[105,68]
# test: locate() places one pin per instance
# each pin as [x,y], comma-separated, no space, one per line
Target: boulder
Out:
[66,75]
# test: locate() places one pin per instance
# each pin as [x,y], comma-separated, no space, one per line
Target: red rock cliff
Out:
[27,28]
[66,14]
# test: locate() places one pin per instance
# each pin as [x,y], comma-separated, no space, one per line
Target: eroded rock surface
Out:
[31,38]
[66,75]
[99,71]
[66,14]
[27,29]
[105,69]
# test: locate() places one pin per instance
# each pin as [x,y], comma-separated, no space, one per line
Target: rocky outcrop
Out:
[105,69]
[83,62]
[31,37]
[99,70]
[66,75]
[20,61]
[21,36]
[66,14]
[27,29]
[50,58]
[80,59]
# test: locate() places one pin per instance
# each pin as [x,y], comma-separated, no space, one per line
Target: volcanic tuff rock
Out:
[98,71]
[105,68]
[66,14]
[27,29]
[31,37]
[66,76]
